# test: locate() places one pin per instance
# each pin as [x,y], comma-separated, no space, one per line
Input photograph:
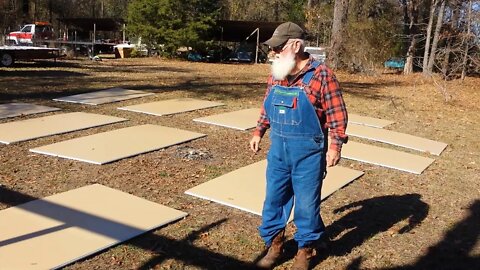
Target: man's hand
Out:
[254,143]
[333,157]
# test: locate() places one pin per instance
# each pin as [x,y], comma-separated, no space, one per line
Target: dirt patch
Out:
[387,219]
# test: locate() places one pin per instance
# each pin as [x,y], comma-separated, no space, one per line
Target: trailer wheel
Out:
[6,59]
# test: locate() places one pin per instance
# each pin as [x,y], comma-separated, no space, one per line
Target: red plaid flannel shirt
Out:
[325,94]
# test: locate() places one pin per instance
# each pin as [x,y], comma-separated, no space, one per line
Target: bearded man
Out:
[303,104]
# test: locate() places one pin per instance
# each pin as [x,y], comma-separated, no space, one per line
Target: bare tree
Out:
[340,16]
[433,8]
[411,15]
[431,59]
[467,45]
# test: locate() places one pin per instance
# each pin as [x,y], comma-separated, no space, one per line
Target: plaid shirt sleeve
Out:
[334,109]
[263,124]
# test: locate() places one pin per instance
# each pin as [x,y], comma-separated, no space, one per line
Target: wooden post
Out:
[123,30]
[93,40]
[258,44]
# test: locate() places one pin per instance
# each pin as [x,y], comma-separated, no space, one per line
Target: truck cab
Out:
[38,31]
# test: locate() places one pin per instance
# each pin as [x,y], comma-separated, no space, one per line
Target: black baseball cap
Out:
[284,32]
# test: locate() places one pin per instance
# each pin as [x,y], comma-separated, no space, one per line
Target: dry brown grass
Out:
[439,209]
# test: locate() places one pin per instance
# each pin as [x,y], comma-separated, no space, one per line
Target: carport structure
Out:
[238,31]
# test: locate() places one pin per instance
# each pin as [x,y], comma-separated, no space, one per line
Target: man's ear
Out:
[297,47]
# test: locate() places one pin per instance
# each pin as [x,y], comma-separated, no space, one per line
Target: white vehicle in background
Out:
[38,31]
[318,53]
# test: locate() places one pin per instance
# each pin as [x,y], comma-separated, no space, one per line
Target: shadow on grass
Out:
[367,90]
[365,219]
[46,74]
[453,252]
[181,250]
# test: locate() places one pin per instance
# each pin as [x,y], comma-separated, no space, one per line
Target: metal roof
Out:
[238,31]
[86,24]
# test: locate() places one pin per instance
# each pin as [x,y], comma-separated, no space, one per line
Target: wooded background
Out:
[440,36]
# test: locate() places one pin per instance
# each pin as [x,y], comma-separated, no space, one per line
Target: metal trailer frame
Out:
[9,54]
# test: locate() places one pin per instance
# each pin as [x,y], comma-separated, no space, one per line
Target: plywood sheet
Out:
[113,145]
[55,231]
[396,138]
[17,109]
[50,125]
[244,188]
[385,157]
[171,106]
[368,121]
[242,120]
[104,96]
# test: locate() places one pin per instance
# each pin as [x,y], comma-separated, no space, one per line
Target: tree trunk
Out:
[309,3]
[408,69]
[340,16]
[411,9]
[467,43]
[450,40]
[433,8]
[431,60]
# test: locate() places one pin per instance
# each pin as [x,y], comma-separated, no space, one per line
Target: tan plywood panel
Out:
[52,232]
[396,138]
[114,145]
[50,125]
[385,157]
[368,121]
[104,96]
[17,109]
[244,188]
[242,120]
[171,106]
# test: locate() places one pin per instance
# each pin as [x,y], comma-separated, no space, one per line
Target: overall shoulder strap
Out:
[309,75]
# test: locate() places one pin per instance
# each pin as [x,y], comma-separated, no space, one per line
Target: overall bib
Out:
[296,164]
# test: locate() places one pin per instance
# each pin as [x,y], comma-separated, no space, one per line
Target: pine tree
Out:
[171,24]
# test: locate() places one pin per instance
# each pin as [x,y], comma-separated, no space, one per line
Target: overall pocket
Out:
[284,109]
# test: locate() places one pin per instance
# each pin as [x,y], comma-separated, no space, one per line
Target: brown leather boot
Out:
[273,252]
[303,258]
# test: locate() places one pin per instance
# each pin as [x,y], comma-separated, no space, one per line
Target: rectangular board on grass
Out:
[114,145]
[24,130]
[244,188]
[104,96]
[385,157]
[171,106]
[368,121]
[18,109]
[241,120]
[58,230]
[396,138]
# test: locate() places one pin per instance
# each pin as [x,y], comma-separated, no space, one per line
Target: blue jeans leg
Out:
[308,167]
[279,194]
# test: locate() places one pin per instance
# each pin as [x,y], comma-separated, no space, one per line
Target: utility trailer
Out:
[9,54]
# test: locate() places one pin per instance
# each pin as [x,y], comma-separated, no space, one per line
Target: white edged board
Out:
[58,230]
[171,106]
[104,96]
[8,110]
[244,188]
[396,138]
[385,157]
[241,120]
[29,129]
[114,145]
[368,121]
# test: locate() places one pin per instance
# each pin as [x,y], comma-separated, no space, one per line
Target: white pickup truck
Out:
[38,31]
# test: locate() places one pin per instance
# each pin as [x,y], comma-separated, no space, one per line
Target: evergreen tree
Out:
[171,24]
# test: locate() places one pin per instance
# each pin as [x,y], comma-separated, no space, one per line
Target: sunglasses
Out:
[280,48]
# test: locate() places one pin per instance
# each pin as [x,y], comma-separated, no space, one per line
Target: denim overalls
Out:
[296,164]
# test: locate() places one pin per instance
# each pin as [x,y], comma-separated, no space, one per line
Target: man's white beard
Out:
[282,66]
